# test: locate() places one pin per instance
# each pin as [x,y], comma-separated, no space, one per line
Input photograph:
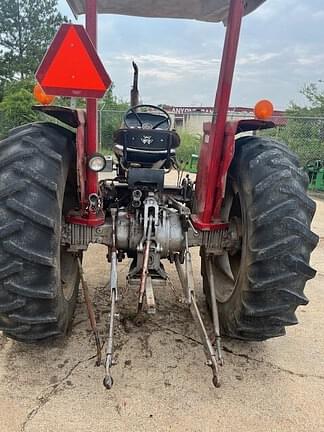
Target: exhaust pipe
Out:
[134,99]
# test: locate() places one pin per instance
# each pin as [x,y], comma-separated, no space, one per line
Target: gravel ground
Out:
[161,382]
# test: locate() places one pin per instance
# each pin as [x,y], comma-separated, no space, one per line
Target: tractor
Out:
[315,171]
[247,210]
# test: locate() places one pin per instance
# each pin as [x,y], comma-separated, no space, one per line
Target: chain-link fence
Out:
[109,122]
[304,135]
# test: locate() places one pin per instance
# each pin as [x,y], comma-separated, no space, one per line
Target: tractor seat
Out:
[146,147]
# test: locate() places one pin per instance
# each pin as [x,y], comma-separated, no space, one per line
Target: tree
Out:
[315,99]
[111,112]
[26,30]
[110,116]
[304,131]
[16,106]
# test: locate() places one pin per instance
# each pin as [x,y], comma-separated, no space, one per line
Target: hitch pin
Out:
[195,232]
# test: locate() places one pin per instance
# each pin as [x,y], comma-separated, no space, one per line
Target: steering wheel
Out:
[141,124]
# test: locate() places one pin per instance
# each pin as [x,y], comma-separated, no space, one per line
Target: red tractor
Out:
[248,209]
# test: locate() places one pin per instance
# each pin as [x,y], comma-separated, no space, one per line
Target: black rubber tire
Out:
[36,187]
[270,190]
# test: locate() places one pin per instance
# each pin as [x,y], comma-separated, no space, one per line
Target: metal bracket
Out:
[90,310]
[214,359]
[110,361]
[150,204]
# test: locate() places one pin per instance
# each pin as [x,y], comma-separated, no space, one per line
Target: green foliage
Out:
[110,117]
[304,132]
[315,101]
[190,144]
[26,29]
[16,106]
[302,135]
[305,138]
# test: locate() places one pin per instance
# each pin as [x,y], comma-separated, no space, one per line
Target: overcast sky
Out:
[281,49]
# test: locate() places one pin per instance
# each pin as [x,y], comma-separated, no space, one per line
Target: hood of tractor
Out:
[201,10]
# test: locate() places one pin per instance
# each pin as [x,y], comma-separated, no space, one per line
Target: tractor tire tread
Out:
[34,166]
[278,218]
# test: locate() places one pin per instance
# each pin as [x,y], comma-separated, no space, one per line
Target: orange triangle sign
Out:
[72,67]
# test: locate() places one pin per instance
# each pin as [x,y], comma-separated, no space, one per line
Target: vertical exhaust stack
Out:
[134,99]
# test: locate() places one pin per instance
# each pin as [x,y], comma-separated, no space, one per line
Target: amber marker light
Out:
[263,109]
[42,97]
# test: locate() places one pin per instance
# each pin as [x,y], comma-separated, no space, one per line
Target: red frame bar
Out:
[92,119]
[92,112]
[81,167]
[209,179]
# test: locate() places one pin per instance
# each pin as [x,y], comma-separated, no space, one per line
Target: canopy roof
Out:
[202,10]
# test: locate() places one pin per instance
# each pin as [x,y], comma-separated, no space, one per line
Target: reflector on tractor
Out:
[72,67]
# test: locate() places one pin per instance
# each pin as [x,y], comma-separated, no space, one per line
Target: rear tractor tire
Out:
[260,285]
[39,279]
